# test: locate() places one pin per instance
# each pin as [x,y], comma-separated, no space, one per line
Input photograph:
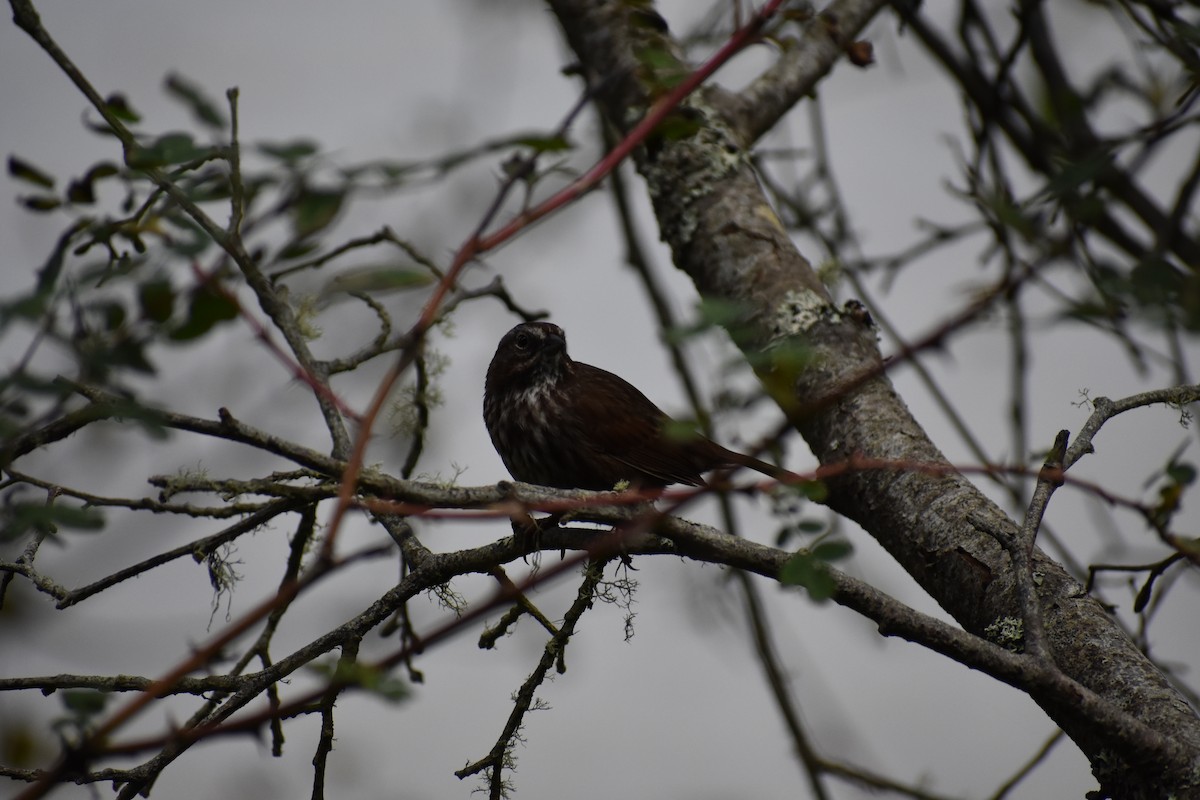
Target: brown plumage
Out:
[557,422]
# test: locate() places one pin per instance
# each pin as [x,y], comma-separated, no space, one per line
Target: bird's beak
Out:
[556,343]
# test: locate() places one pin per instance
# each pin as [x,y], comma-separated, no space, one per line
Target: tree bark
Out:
[723,233]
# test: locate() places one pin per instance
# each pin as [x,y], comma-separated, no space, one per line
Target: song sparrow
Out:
[557,422]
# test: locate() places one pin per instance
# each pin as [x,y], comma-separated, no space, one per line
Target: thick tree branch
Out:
[796,73]
[722,232]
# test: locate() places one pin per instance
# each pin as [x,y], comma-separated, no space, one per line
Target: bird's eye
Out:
[522,341]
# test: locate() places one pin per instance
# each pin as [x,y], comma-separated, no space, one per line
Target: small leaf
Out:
[119,107]
[49,274]
[816,491]
[131,353]
[803,569]
[676,127]
[794,570]
[170,148]
[208,308]
[77,517]
[544,144]
[832,550]
[150,419]
[710,312]
[377,280]
[22,517]
[84,702]
[297,250]
[111,311]
[661,68]
[28,307]
[41,203]
[81,193]
[810,568]
[186,238]
[1181,472]
[132,236]
[1074,175]
[680,431]
[194,97]
[82,190]
[314,210]
[289,152]
[24,171]
[1155,280]
[390,172]
[211,184]
[364,676]
[103,169]
[1144,594]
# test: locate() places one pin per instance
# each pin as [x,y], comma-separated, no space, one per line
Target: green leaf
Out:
[1010,214]
[816,491]
[110,311]
[1155,281]
[20,517]
[131,353]
[119,107]
[661,68]
[210,184]
[170,148]
[127,410]
[24,171]
[289,152]
[544,144]
[677,126]
[103,169]
[805,570]
[186,238]
[81,193]
[205,111]
[297,250]
[79,518]
[207,309]
[810,568]
[1181,472]
[832,550]
[49,274]
[364,676]
[27,307]
[710,312]
[82,190]
[1144,594]
[680,431]
[377,280]
[41,203]
[84,702]
[391,173]
[132,236]
[1073,175]
[313,210]
[1090,310]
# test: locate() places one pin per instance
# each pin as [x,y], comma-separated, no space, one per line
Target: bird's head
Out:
[531,353]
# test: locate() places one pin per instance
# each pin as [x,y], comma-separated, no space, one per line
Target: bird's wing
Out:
[630,434]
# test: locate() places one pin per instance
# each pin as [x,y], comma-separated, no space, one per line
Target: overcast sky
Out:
[681,710]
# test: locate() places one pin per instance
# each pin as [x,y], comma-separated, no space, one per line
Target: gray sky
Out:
[681,710]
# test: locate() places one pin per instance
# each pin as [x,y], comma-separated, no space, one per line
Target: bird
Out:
[561,423]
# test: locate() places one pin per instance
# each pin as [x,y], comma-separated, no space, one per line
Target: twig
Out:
[1020,546]
[1029,766]
[500,757]
[197,549]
